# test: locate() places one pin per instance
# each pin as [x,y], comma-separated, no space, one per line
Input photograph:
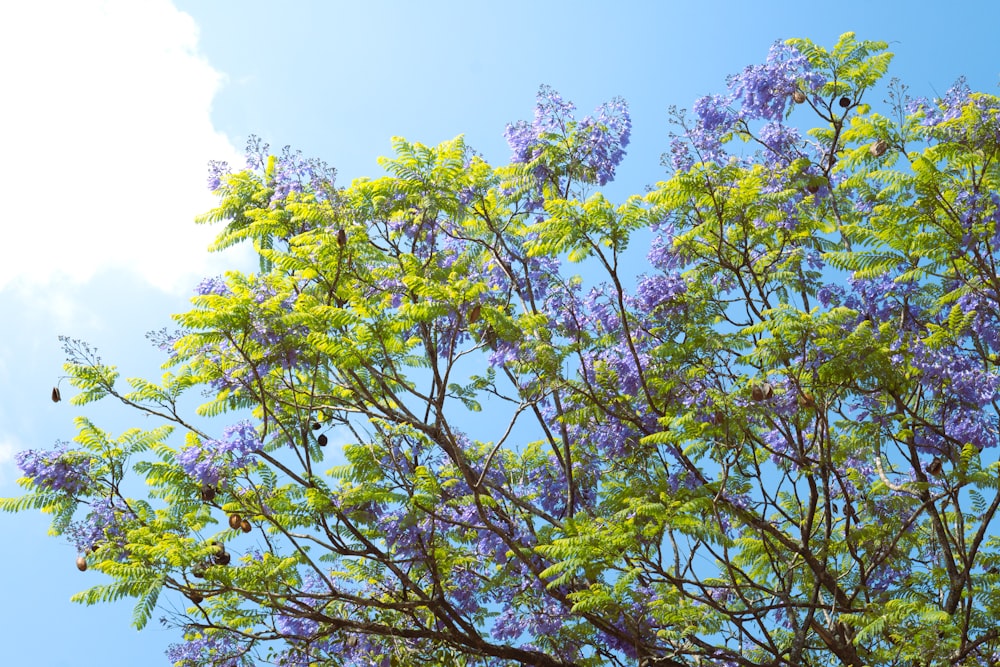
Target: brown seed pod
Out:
[234,521]
[245,526]
[474,314]
[806,400]
[934,467]
[194,597]
[81,563]
[56,396]
[198,571]
[207,493]
[316,426]
[322,440]
[798,97]
[761,392]
[844,102]
[879,148]
[341,238]
[813,189]
[222,559]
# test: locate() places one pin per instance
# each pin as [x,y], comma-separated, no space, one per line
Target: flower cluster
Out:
[211,460]
[214,285]
[105,523]
[290,172]
[553,115]
[759,93]
[765,91]
[962,390]
[219,649]
[597,143]
[60,469]
[217,170]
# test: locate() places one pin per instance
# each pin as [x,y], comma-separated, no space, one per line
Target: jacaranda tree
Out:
[478,415]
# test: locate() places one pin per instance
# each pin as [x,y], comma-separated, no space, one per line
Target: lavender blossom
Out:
[60,469]
[211,460]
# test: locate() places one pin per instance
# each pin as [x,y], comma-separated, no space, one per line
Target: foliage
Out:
[775,445]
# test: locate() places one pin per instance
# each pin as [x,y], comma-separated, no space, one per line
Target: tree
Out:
[772,443]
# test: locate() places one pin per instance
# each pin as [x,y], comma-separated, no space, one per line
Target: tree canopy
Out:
[478,415]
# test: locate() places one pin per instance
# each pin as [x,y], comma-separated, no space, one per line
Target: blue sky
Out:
[111,110]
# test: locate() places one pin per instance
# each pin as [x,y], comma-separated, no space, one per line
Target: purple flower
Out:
[103,524]
[295,626]
[764,91]
[219,649]
[782,142]
[60,469]
[215,285]
[597,143]
[217,169]
[212,460]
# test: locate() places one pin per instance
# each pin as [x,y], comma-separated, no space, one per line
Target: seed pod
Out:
[234,521]
[56,396]
[222,559]
[194,597]
[806,400]
[81,563]
[934,467]
[245,526]
[316,426]
[198,571]
[322,440]
[798,97]
[813,189]
[207,493]
[341,238]
[879,148]
[761,392]
[474,314]
[844,102]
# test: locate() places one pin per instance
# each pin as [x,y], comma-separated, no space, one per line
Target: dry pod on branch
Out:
[844,102]
[219,554]
[879,148]
[207,493]
[761,392]
[934,467]
[245,526]
[234,521]
[194,597]
[56,396]
[798,97]
[81,563]
[322,440]
[341,238]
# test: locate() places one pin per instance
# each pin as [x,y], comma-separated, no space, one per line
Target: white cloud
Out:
[105,132]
